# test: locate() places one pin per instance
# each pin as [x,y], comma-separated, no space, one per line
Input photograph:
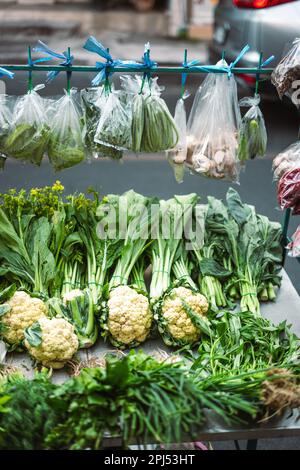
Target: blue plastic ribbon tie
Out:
[65,57]
[187,65]
[267,61]
[6,73]
[241,54]
[106,68]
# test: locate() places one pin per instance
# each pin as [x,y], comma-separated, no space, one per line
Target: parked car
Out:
[268,26]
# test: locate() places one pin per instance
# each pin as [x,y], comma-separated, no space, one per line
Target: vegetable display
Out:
[83,259]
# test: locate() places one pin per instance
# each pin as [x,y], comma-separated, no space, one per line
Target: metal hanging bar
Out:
[179,70]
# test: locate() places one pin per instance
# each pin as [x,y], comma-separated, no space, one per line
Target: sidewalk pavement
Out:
[124,32]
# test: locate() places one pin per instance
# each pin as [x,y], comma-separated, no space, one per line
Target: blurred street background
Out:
[124,27]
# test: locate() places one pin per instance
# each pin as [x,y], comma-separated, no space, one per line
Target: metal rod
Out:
[30,85]
[258,74]
[287,216]
[69,74]
[85,68]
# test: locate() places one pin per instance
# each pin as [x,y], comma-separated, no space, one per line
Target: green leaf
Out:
[211,267]
[239,211]
[7,293]
[33,334]
[4,309]
[197,320]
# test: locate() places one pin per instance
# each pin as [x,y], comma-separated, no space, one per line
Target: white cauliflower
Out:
[174,322]
[129,317]
[22,312]
[57,342]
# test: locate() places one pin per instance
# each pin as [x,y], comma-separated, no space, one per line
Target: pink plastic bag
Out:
[294,245]
[288,190]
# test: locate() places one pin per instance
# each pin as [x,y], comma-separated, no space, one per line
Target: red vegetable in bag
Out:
[288,190]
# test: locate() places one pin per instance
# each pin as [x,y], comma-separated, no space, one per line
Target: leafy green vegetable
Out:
[27,142]
[29,416]
[33,334]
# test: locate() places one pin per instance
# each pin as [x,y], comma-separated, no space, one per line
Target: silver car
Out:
[268,26]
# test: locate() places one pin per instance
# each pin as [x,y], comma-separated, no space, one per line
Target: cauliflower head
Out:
[58,342]
[23,311]
[129,317]
[176,320]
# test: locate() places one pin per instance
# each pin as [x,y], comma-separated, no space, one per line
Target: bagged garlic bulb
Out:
[213,128]
[28,138]
[66,147]
[177,157]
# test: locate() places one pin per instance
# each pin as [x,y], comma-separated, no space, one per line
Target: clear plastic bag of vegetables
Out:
[93,101]
[294,245]
[213,128]
[177,156]
[252,132]
[29,134]
[288,70]
[286,160]
[5,125]
[153,127]
[114,126]
[66,147]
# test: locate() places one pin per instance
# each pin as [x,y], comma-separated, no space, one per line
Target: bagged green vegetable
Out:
[114,126]
[66,147]
[93,101]
[178,155]
[153,129]
[252,131]
[5,125]
[29,135]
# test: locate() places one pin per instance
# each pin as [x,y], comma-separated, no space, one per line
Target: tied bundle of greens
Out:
[126,317]
[252,249]
[252,131]
[66,147]
[29,134]
[153,128]
[179,309]
[93,101]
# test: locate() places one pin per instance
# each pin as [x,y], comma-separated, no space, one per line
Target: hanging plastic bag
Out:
[66,147]
[93,101]
[294,245]
[286,160]
[288,190]
[114,126]
[29,136]
[153,127]
[5,125]
[287,71]
[177,156]
[252,132]
[213,128]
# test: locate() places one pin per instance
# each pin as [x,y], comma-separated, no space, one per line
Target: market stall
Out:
[84,281]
